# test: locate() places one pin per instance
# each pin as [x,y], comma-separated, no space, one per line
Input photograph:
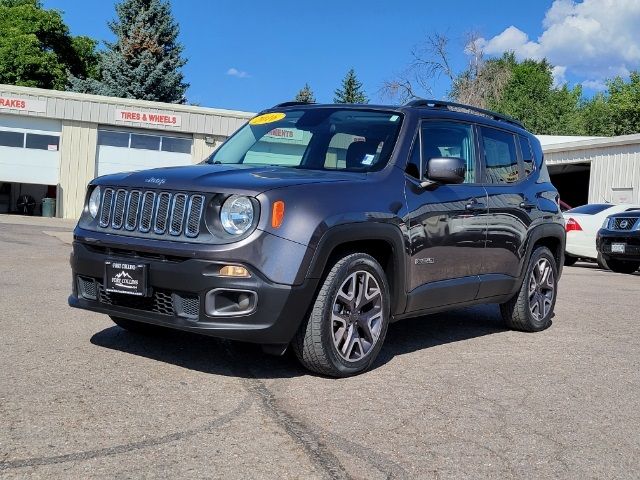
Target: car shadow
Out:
[222,357]
[595,266]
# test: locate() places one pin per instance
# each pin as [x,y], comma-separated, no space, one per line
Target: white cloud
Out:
[596,85]
[234,72]
[594,39]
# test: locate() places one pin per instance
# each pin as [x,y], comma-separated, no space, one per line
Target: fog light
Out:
[234,271]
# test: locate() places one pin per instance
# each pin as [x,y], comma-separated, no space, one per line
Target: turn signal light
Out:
[277,214]
[234,271]
[572,225]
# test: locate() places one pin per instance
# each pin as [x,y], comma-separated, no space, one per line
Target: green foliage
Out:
[36,49]
[351,91]
[145,61]
[530,96]
[305,95]
[624,104]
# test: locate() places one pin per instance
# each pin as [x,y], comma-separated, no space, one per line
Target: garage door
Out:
[120,151]
[29,150]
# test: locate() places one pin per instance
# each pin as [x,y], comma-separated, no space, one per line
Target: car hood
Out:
[246,180]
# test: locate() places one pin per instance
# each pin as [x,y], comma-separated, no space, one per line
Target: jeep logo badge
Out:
[157,181]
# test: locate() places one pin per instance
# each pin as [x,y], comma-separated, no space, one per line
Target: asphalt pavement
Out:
[452,395]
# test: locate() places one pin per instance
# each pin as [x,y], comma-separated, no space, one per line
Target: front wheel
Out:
[622,266]
[348,322]
[531,309]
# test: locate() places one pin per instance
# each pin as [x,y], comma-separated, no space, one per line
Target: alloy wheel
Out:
[357,316]
[541,289]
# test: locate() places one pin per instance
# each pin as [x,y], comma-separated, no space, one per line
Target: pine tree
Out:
[305,95]
[351,91]
[145,61]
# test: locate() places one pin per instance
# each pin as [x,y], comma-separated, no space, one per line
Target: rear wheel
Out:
[622,266]
[531,309]
[348,322]
[569,260]
[137,327]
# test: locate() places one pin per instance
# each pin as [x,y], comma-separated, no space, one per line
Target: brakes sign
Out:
[24,104]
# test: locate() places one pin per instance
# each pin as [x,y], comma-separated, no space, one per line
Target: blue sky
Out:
[272,48]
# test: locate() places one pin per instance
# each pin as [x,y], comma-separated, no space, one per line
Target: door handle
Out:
[474,205]
[527,205]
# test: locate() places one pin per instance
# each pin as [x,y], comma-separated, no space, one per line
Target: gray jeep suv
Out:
[316,226]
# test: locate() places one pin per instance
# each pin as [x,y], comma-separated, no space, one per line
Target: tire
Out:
[518,313]
[602,263]
[340,338]
[622,266]
[569,260]
[140,328]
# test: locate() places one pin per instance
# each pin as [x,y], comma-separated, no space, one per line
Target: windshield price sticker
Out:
[267,118]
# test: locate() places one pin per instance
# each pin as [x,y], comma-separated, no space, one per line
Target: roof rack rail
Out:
[290,104]
[421,102]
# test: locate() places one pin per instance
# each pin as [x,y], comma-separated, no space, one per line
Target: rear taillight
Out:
[572,225]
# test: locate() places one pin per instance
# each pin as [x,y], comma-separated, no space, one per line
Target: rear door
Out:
[511,205]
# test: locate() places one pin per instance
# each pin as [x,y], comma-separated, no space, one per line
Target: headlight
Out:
[94,202]
[605,224]
[236,215]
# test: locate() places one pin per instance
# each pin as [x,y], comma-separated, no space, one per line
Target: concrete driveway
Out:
[452,395]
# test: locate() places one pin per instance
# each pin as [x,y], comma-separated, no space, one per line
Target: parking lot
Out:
[451,396]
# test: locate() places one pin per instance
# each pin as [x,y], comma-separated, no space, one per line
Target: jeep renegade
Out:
[316,226]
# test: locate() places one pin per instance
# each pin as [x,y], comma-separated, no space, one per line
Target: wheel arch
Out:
[552,236]
[384,242]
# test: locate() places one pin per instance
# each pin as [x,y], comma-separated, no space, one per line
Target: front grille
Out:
[624,223]
[163,213]
[163,302]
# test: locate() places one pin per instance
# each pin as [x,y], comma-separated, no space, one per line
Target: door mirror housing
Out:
[445,170]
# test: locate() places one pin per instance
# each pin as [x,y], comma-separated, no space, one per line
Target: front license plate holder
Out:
[618,247]
[126,277]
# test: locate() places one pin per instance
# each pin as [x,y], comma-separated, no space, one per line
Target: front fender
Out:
[343,234]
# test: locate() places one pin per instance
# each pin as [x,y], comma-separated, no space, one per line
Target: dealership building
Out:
[53,143]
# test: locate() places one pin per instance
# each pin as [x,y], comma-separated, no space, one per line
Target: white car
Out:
[582,224]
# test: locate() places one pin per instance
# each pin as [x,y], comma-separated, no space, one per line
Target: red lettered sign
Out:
[149,118]
[24,104]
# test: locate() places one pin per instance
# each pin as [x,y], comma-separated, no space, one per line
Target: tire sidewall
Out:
[539,254]
[367,263]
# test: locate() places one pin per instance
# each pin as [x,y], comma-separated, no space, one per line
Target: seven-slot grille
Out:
[162,213]
[624,223]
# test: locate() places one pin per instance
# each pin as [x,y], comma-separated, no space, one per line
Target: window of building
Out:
[42,142]
[113,139]
[11,139]
[145,142]
[501,160]
[175,144]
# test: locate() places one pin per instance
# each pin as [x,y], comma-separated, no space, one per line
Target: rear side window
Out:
[591,209]
[527,155]
[501,159]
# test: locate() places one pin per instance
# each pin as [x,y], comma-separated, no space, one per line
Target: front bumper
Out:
[179,296]
[631,239]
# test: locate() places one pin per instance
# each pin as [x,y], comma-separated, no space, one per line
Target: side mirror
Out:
[445,170]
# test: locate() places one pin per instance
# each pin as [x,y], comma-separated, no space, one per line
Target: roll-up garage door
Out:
[29,150]
[122,151]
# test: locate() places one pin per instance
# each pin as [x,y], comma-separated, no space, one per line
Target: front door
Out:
[447,223]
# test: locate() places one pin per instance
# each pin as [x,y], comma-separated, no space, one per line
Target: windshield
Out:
[324,138]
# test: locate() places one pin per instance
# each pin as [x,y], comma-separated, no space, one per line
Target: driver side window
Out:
[445,139]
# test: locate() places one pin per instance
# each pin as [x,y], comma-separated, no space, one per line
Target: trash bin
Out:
[48,207]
